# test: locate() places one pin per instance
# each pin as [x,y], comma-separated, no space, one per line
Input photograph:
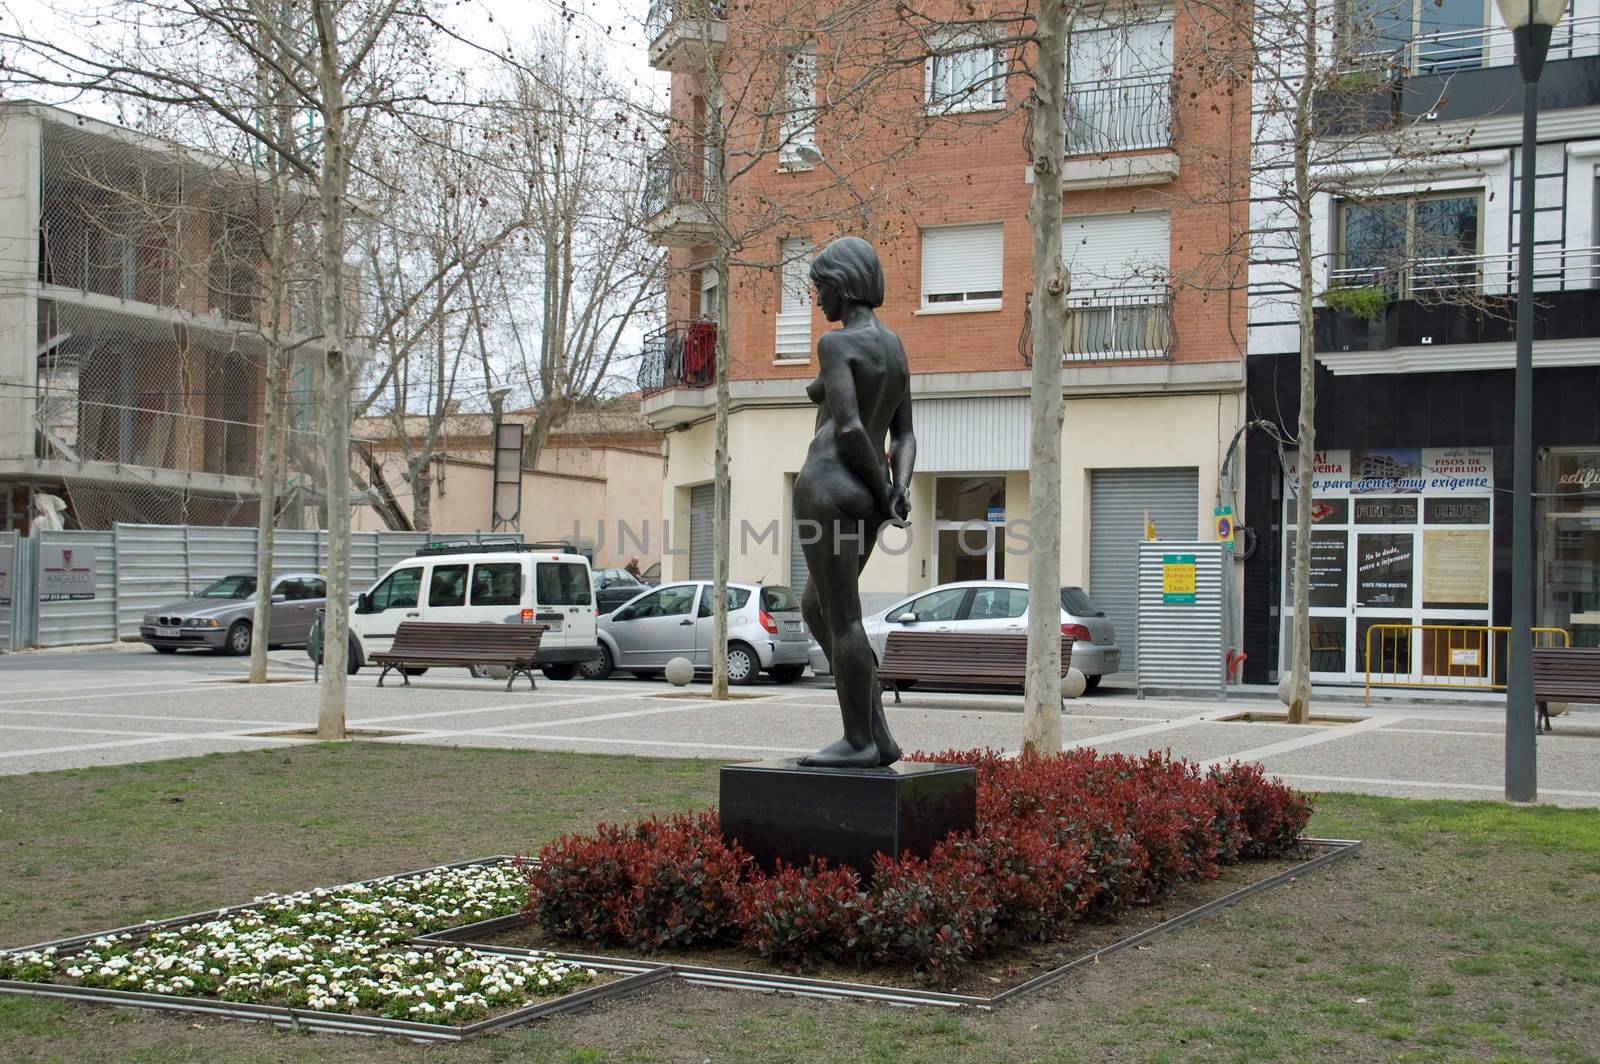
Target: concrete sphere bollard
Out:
[680,672]
[1286,688]
[1073,683]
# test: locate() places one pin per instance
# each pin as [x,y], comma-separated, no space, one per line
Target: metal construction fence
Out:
[73,587]
[1466,656]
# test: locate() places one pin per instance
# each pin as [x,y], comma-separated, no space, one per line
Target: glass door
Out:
[969,528]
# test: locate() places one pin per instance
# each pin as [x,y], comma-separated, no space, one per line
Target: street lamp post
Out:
[1531,23]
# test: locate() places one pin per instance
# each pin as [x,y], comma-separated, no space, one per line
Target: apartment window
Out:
[1119,87]
[794,307]
[961,264]
[973,79]
[710,294]
[799,126]
[1409,245]
[1120,301]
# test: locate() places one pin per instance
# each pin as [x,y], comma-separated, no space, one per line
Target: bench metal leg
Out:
[897,692]
[1544,717]
[384,673]
[515,672]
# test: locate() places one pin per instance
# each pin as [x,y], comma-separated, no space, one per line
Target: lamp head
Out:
[1520,13]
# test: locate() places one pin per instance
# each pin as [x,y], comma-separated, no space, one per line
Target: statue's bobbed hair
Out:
[851,267]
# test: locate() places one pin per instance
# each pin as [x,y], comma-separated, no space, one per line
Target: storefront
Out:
[1399,536]
[1569,520]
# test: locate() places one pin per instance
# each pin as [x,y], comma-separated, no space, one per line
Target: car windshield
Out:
[1077,603]
[776,599]
[230,587]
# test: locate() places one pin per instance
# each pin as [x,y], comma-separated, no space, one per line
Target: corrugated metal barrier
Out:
[73,587]
[1180,616]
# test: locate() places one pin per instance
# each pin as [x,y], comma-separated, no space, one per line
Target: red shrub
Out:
[1038,884]
[800,916]
[1273,814]
[935,915]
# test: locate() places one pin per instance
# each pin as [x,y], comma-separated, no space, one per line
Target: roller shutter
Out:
[1118,501]
[799,572]
[702,517]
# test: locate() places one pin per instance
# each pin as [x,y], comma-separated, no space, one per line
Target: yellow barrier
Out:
[1464,656]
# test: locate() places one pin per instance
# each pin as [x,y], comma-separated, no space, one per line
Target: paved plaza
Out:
[98,707]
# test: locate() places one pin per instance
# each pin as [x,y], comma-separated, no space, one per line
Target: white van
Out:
[512,583]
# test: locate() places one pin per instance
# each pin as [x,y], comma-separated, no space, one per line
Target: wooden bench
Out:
[958,657]
[1564,674]
[514,646]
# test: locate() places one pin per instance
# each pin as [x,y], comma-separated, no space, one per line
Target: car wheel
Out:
[239,638]
[787,673]
[352,658]
[743,665]
[564,670]
[600,667]
[1090,683]
[166,650]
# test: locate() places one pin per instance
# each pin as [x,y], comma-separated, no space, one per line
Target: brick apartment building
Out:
[1154,373]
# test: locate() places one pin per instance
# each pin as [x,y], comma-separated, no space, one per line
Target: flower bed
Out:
[338,949]
[1057,839]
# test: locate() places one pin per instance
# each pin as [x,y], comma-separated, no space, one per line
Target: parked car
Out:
[613,587]
[491,583]
[765,632]
[222,617]
[652,574]
[1002,606]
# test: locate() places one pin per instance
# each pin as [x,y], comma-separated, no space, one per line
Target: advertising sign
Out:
[1177,578]
[1430,471]
[1329,568]
[7,557]
[1330,473]
[66,574]
[1384,570]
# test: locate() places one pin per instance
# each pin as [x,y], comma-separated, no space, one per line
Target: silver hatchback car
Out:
[221,617]
[1002,606]
[765,632]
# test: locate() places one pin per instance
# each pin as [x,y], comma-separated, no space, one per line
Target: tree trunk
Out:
[422,497]
[1041,712]
[336,383]
[1300,684]
[723,491]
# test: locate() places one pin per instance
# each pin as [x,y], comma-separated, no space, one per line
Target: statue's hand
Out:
[899,505]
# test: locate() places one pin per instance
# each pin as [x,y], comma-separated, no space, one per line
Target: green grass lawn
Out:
[1465,931]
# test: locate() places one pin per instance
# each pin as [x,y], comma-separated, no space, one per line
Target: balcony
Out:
[676,371]
[680,196]
[685,34]
[1466,74]
[1121,115]
[1105,324]
[1463,300]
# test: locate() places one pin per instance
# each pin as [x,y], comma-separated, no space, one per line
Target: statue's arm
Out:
[902,459]
[856,446]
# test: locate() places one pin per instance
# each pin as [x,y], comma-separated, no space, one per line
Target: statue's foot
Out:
[844,754]
[888,749]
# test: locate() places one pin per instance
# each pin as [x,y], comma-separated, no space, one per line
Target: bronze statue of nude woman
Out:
[847,490]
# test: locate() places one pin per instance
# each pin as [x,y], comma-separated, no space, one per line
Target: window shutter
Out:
[1114,250]
[800,103]
[794,307]
[958,259]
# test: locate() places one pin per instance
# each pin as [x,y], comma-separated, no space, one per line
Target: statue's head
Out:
[850,267]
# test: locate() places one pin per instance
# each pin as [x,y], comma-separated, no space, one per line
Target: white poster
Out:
[1330,473]
[66,573]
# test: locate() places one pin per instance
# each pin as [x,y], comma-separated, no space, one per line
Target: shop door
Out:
[1330,609]
[1119,499]
[969,530]
[1570,588]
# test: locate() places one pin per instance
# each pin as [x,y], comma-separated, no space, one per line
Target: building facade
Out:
[131,349]
[1154,374]
[1413,470]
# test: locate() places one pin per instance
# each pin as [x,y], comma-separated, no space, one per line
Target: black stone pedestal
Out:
[782,810]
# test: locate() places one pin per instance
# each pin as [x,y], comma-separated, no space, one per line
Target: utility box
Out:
[1179,634]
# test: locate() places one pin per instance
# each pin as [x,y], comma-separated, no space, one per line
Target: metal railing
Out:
[664,13]
[1121,115]
[679,356]
[678,173]
[1471,49]
[1462,656]
[1555,269]
[1110,323]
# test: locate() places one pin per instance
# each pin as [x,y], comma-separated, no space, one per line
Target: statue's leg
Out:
[888,749]
[816,621]
[834,579]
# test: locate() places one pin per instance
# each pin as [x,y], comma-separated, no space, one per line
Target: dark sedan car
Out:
[613,587]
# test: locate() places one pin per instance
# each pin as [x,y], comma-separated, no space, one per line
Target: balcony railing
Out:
[680,356]
[1124,115]
[679,174]
[664,13]
[1555,269]
[1111,323]
[1471,49]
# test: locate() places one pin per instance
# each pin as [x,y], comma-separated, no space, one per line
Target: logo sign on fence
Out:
[1177,578]
[67,574]
[7,557]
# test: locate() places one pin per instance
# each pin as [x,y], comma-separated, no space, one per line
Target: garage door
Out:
[1118,501]
[702,513]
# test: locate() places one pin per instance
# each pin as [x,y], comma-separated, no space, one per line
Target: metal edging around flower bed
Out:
[809,986]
